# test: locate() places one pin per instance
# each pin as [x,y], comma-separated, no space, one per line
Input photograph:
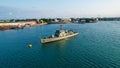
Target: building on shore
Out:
[1,21]
[67,20]
[60,21]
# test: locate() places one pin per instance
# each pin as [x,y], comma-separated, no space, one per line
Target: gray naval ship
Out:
[59,35]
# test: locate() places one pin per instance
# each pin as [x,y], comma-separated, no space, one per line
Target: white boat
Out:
[59,35]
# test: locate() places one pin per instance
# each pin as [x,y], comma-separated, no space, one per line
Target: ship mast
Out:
[60,27]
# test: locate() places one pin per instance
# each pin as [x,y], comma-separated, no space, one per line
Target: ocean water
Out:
[96,46]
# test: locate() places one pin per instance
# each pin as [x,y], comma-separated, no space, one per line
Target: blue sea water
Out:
[96,46]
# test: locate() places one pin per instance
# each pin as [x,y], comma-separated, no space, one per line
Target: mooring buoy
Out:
[30,45]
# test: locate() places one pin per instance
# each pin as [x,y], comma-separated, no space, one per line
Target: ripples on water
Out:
[96,46]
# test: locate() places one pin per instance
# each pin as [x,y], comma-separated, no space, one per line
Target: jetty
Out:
[19,24]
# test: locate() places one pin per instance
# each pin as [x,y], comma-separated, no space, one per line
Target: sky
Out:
[12,9]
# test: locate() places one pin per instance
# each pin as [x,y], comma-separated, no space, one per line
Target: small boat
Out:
[59,35]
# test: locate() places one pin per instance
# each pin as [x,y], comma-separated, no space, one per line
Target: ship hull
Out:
[57,38]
